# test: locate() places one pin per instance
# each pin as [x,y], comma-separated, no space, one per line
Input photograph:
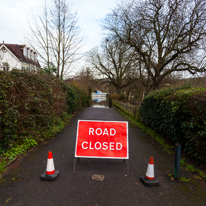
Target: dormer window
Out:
[4,49]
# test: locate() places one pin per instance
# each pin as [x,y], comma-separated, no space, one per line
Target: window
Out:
[5,66]
[5,69]
[4,49]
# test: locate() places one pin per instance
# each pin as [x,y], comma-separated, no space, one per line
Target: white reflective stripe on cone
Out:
[150,171]
[50,165]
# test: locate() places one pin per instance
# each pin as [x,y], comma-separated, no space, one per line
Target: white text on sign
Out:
[103,132]
[104,145]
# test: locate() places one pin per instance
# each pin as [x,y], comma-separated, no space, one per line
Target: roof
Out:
[16,49]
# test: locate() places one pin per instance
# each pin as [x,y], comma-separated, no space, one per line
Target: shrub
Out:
[32,102]
[76,98]
[180,115]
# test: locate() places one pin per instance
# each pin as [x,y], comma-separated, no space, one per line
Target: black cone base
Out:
[149,183]
[52,177]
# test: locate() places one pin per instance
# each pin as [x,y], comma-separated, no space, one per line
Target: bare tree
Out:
[55,36]
[168,35]
[116,63]
[38,37]
[84,79]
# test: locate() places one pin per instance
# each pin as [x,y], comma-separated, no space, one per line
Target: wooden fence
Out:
[128,108]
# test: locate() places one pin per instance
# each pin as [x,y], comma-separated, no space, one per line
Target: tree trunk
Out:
[129,96]
[118,90]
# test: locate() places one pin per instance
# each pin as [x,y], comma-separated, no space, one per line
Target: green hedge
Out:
[180,115]
[31,103]
[76,98]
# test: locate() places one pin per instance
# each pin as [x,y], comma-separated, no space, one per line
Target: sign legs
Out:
[128,167]
[75,162]
[74,168]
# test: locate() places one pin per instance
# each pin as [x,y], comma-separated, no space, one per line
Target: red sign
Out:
[102,139]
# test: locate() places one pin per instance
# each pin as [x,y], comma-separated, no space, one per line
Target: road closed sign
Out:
[102,139]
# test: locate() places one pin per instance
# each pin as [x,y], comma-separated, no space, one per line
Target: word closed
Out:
[102,139]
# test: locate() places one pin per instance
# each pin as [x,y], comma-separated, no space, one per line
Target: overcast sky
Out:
[14,15]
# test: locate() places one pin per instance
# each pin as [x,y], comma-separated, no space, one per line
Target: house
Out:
[15,56]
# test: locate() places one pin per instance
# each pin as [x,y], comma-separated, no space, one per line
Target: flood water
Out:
[100,102]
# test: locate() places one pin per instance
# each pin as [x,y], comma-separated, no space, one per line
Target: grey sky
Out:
[14,14]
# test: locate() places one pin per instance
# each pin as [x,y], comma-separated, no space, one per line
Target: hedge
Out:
[76,98]
[180,115]
[32,102]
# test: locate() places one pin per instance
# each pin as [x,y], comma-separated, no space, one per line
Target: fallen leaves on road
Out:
[98,177]
[8,200]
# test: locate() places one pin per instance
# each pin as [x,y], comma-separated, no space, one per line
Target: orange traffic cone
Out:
[149,179]
[50,173]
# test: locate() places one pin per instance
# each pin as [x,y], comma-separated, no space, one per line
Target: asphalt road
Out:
[21,185]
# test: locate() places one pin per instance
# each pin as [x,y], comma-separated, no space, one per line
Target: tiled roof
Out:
[16,50]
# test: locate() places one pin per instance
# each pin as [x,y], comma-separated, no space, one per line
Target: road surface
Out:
[21,185]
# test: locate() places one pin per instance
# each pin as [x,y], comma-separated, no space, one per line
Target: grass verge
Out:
[199,174]
[31,141]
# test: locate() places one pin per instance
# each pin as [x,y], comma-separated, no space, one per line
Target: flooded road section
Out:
[100,102]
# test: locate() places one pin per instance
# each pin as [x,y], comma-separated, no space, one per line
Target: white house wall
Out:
[10,59]
[27,66]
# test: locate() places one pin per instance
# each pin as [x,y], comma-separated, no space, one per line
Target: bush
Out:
[180,115]
[33,102]
[76,98]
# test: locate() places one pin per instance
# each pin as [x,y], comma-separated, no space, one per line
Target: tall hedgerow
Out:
[180,115]
[33,102]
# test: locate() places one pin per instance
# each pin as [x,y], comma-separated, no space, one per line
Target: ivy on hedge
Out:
[180,115]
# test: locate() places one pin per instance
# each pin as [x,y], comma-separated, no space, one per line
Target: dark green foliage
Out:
[31,103]
[50,70]
[71,99]
[180,115]
[76,98]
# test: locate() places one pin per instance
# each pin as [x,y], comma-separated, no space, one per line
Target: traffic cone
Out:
[149,179]
[50,174]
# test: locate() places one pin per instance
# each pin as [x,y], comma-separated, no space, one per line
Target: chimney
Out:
[27,52]
[32,55]
[22,48]
[35,56]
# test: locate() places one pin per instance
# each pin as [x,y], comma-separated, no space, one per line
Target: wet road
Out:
[21,185]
